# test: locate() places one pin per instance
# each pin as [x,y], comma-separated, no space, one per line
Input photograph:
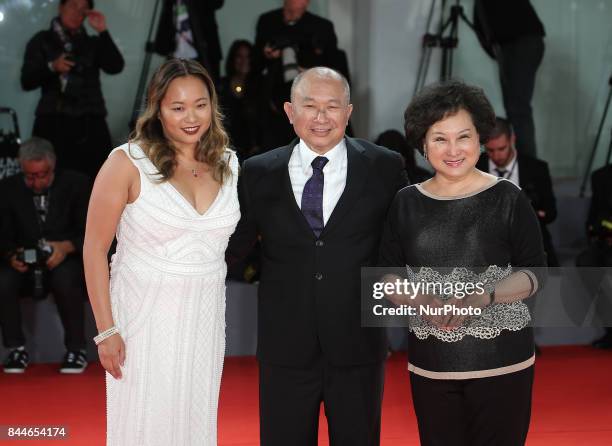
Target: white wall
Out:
[571,87]
[382,40]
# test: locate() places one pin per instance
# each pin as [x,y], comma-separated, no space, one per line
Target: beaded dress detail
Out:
[167,292]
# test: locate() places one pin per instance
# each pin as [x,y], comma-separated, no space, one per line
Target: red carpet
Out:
[572,402]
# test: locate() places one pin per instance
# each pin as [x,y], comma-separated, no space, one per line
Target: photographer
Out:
[529,173]
[599,231]
[42,225]
[288,40]
[511,32]
[188,30]
[65,63]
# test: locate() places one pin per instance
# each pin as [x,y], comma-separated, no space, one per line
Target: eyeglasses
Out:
[37,175]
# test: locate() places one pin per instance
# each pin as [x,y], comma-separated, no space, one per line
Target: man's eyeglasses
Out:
[37,175]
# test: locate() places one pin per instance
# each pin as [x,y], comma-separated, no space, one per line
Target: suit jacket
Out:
[309,292]
[83,92]
[601,201]
[69,197]
[534,179]
[309,32]
[203,27]
[505,21]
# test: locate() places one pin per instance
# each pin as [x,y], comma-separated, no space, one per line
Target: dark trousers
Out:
[290,399]
[593,264]
[491,411]
[80,143]
[518,65]
[67,285]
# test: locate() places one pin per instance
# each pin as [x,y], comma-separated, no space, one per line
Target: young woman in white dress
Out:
[170,196]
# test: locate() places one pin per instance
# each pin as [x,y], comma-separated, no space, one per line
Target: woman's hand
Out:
[112,355]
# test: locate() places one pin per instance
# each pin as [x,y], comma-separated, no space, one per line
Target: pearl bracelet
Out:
[106,334]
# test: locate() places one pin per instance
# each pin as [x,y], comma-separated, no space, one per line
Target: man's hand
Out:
[60,251]
[271,53]
[96,20]
[62,65]
[16,264]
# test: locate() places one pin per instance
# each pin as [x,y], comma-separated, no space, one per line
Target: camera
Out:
[281,43]
[78,65]
[37,258]
[603,229]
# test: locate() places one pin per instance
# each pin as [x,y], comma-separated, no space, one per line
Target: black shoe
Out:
[605,342]
[16,361]
[74,362]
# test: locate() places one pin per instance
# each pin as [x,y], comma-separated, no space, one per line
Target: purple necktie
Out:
[312,197]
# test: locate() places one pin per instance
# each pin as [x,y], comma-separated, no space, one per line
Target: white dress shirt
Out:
[512,170]
[334,174]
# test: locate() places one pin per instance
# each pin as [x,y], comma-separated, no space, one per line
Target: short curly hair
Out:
[442,99]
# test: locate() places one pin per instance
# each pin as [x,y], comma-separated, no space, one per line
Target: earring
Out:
[425,153]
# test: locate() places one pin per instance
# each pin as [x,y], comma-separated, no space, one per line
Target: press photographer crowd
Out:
[44,206]
[263,134]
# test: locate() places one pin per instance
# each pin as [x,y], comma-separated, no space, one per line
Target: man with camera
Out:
[65,63]
[42,225]
[288,40]
[188,29]
[529,173]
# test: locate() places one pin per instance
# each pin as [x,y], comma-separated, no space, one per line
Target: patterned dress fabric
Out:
[167,292]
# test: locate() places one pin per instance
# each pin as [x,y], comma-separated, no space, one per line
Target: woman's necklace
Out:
[195,171]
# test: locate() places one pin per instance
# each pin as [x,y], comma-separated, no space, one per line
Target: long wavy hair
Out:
[149,134]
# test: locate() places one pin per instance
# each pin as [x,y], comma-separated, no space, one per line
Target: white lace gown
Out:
[167,291]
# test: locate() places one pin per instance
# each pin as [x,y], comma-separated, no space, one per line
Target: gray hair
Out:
[322,73]
[35,149]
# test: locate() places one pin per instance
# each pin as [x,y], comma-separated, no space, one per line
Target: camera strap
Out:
[67,45]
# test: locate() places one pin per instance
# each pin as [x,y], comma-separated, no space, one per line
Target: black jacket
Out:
[68,200]
[601,201]
[83,93]
[505,21]
[203,28]
[313,35]
[309,293]
[535,181]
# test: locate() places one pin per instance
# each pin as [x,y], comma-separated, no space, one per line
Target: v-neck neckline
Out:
[191,206]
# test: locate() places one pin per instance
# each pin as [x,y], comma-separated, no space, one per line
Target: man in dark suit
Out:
[188,29]
[599,252]
[530,174]
[511,32]
[285,39]
[42,225]
[318,205]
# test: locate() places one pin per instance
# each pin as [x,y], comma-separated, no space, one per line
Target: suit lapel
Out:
[356,179]
[28,210]
[54,203]
[523,171]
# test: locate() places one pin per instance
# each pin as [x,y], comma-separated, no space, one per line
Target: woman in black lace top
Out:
[471,377]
